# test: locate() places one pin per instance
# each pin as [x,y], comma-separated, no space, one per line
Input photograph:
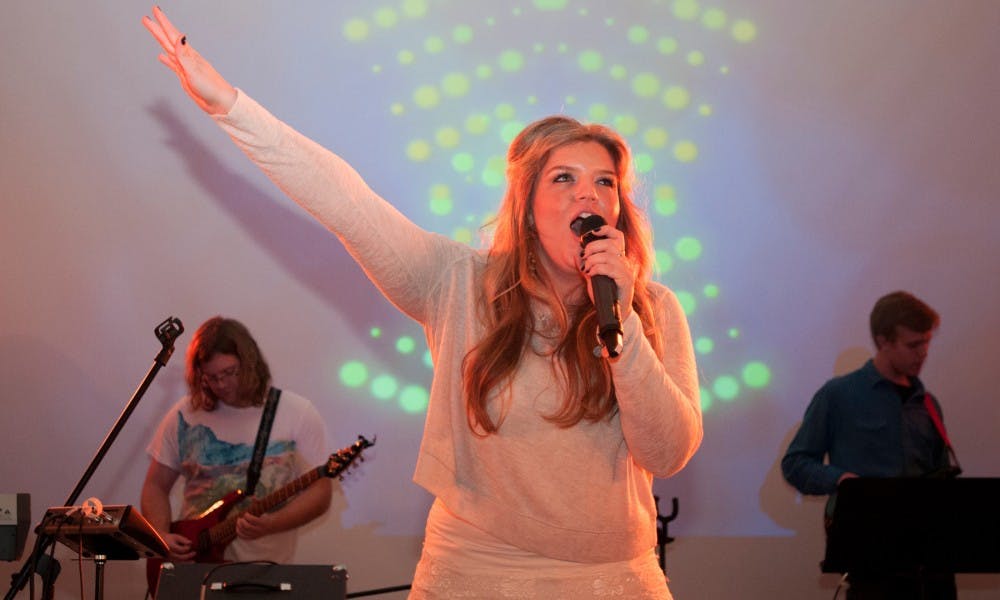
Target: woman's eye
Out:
[607,181]
[562,177]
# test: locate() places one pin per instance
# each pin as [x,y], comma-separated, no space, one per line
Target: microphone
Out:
[609,318]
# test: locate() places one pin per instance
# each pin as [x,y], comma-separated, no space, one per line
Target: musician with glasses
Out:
[208,439]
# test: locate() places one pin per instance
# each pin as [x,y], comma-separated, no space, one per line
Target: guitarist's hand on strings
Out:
[180,548]
[250,526]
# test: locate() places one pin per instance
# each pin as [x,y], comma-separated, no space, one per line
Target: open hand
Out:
[198,78]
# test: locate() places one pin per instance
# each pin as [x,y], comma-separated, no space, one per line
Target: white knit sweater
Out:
[581,493]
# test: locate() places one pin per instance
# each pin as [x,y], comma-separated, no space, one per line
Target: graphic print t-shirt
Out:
[212,452]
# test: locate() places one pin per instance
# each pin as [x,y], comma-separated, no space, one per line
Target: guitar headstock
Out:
[340,460]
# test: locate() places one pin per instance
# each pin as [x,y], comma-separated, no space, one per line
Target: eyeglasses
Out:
[225,375]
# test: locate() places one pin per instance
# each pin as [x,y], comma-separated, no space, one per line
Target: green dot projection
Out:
[460,80]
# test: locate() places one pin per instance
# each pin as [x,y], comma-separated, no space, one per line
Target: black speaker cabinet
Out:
[251,581]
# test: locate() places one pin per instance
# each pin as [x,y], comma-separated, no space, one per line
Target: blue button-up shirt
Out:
[860,421]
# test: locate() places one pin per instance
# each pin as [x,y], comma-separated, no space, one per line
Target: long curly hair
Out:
[513,278]
[219,335]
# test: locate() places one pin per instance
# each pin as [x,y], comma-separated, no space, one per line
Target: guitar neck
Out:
[225,531]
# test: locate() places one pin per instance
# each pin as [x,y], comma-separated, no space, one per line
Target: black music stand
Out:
[109,533]
[912,526]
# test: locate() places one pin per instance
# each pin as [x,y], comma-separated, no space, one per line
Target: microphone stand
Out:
[167,332]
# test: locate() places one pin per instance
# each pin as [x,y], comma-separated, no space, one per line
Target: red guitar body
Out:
[215,528]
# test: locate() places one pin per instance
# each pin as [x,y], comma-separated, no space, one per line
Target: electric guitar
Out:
[213,530]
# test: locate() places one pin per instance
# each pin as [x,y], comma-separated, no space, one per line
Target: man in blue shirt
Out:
[877,421]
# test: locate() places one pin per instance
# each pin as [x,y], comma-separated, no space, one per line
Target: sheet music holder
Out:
[118,533]
[914,525]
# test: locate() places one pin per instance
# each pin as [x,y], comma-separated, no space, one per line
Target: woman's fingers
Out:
[168,28]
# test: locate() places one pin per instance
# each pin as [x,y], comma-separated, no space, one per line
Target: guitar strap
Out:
[263,433]
[935,416]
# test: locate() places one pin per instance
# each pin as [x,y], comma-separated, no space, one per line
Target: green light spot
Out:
[376,68]
[714,19]
[666,45]
[688,302]
[688,248]
[705,110]
[406,57]
[726,387]
[637,34]
[571,100]
[704,345]
[644,162]
[484,71]
[375,332]
[353,374]
[618,72]
[418,150]
[744,31]
[397,108]
[447,137]
[676,97]
[626,124]
[645,85]
[511,61]
[538,47]
[477,124]
[756,374]
[413,399]
[590,61]
[504,112]
[656,137]
[428,360]
[455,85]
[695,58]
[356,30]
[463,162]
[685,151]
[493,173]
[686,10]
[665,200]
[510,130]
[384,387]
[463,235]
[598,112]
[551,4]
[664,261]
[734,333]
[706,399]
[426,96]
[462,34]
[405,345]
[711,291]
[532,99]
[414,8]
[434,45]
[562,48]
[386,18]
[440,200]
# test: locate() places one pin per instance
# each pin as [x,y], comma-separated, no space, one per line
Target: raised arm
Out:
[199,79]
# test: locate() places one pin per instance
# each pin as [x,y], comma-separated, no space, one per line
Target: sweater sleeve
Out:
[658,396]
[402,259]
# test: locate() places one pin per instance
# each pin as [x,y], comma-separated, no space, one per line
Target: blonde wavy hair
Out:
[513,278]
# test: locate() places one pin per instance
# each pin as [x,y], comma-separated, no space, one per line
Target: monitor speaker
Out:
[15,523]
[252,581]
